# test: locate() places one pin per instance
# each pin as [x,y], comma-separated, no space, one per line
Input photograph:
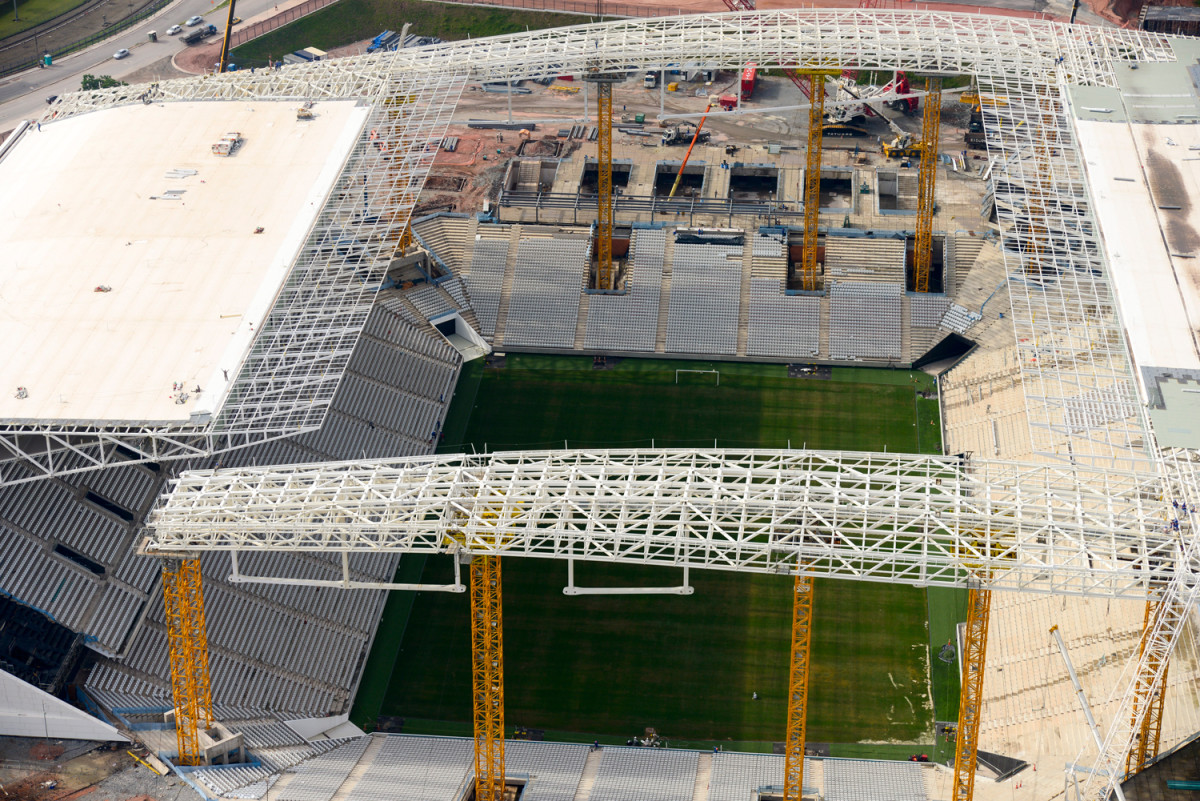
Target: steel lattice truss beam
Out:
[874,517]
[1080,391]
[878,517]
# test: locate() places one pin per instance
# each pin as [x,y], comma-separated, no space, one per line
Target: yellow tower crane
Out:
[187,643]
[604,215]
[970,702]
[797,714]
[1147,706]
[812,177]
[487,677]
[223,61]
[926,181]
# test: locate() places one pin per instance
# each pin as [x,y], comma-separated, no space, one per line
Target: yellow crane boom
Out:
[1147,705]
[712,101]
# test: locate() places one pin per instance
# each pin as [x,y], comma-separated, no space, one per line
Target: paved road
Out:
[24,96]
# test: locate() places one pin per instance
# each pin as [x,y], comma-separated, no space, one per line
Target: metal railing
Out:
[250,32]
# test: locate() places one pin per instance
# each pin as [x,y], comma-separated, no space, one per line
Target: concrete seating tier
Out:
[706,286]
[629,322]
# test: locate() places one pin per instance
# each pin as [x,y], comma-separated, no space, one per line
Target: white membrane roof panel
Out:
[189,278]
[1146,183]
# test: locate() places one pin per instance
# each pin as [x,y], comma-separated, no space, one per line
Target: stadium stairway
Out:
[920,340]
[704,766]
[664,298]
[907,190]
[823,350]
[743,331]
[906,342]
[510,271]
[587,779]
[581,321]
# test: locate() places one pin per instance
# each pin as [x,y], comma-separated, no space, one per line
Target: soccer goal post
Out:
[717,373]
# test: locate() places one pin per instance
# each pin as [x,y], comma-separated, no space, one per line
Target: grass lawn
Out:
[587,666]
[349,21]
[31,12]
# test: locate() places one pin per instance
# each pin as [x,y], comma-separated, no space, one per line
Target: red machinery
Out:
[749,76]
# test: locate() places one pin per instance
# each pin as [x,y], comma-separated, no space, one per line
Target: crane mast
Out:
[797,715]
[926,183]
[604,212]
[1147,704]
[812,180]
[187,644]
[970,703]
[487,677]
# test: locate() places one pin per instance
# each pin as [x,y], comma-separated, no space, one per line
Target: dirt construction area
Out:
[66,770]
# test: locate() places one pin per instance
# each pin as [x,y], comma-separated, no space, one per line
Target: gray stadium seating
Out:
[486,279]
[862,780]
[864,320]
[647,774]
[543,310]
[629,322]
[706,285]
[782,325]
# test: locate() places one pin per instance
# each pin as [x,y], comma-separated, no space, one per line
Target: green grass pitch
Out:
[610,666]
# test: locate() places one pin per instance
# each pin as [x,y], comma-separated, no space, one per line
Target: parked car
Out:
[174,29]
[120,54]
[50,100]
[194,21]
[236,20]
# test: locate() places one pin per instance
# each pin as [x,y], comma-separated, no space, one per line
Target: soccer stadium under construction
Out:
[288,466]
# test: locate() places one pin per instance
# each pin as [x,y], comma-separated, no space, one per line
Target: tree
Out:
[91,82]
